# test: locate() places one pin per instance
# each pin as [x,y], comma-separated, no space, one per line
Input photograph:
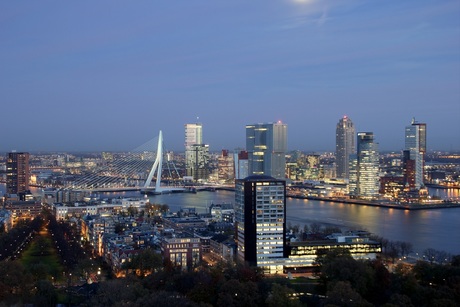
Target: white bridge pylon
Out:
[157,166]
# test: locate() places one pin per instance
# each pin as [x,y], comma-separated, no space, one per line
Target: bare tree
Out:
[406,248]
[315,228]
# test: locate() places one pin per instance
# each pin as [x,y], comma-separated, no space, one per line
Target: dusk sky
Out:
[108,75]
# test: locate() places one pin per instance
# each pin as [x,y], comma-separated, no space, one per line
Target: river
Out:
[433,228]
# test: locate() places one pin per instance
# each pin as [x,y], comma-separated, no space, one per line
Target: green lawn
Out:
[41,259]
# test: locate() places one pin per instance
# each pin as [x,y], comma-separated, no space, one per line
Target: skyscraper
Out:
[17,172]
[260,215]
[196,153]
[241,164]
[225,166]
[415,144]
[367,166]
[344,146]
[267,145]
[193,134]
[198,162]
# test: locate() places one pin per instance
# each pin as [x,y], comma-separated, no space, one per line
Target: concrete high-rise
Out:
[415,144]
[17,172]
[260,216]
[267,145]
[344,146]
[367,166]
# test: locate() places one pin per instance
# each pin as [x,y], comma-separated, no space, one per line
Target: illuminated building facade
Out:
[196,153]
[415,144]
[367,166]
[304,254]
[225,166]
[184,252]
[193,134]
[198,162]
[17,172]
[344,146]
[267,145]
[260,215]
[241,164]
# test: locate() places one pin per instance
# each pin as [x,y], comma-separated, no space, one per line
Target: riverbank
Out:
[380,204]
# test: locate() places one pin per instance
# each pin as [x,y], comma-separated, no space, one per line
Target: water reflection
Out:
[438,229]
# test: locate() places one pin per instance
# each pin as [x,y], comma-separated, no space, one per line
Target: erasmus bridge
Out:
[143,168]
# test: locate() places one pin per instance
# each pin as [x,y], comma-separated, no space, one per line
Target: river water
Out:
[433,228]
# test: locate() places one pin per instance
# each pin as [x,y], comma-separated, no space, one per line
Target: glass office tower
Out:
[344,146]
[266,145]
[415,144]
[367,166]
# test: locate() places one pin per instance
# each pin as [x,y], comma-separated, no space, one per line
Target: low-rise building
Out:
[23,210]
[182,251]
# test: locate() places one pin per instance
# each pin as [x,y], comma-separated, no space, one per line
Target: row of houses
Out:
[182,238]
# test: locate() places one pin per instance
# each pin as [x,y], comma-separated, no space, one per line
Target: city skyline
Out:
[106,76]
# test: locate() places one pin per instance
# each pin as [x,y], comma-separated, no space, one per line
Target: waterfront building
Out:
[126,203]
[353,175]
[197,164]
[241,164]
[367,166]
[304,254]
[267,145]
[196,153]
[260,216]
[17,172]
[344,146]
[312,170]
[193,134]
[415,145]
[225,167]
[391,186]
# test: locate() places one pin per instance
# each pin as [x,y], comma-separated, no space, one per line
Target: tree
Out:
[280,296]
[132,211]
[164,298]
[338,265]
[393,251]
[144,263]
[45,294]
[430,254]
[15,281]
[455,261]
[234,293]
[315,228]
[118,291]
[331,229]
[406,248]
[342,294]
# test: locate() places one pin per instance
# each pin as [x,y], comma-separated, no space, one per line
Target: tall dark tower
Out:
[415,144]
[260,215]
[17,172]
[344,146]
